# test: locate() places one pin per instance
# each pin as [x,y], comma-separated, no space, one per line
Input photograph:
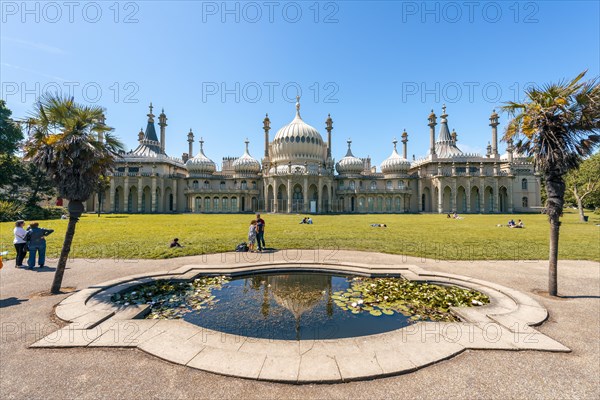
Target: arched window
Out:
[525,201]
[388,185]
[244,185]
[352,185]
[206,185]
[253,184]
[195,185]
[224,204]
[206,203]
[400,184]
[216,204]
[373,185]
[234,206]
[222,185]
[341,184]
[524,184]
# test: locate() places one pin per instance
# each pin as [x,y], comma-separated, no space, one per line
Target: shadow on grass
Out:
[11,301]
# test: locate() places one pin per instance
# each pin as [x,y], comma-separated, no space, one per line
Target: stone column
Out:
[275,192]
[306,206]
[509,190]
[440,197]
[289,195]
[454,196]
[126,194]
[468,195]
[320,196]
[153,192]
[139,194]
[111,204]
[175,196]
[496,196]
[482,195]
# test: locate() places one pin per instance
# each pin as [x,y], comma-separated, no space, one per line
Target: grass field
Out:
[476,237]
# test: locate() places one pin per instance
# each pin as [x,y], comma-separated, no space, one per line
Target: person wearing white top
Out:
[20,243]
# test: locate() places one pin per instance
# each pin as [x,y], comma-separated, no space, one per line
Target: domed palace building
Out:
[297,174]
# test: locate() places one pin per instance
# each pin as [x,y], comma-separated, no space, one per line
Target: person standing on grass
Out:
[260,232]
[36,239]
[251,235]
[20,243]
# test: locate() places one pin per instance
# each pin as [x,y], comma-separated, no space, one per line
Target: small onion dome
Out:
[201,164]
[246,164]
[349,164]
[395,164]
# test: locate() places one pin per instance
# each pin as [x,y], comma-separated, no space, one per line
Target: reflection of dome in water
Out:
[299,293]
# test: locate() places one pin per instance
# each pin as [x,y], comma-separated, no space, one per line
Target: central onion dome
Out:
[201,165]
[246,164]
[395,164]
[349,165]
[298,142]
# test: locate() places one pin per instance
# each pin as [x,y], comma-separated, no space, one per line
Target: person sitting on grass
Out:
[303,221]
[379,225]
[511,223]
[175,243]
[519,224]
[309,220]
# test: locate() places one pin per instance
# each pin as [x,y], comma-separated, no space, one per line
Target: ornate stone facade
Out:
[297,174]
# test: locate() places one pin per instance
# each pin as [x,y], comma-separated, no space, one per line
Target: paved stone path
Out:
[97,372]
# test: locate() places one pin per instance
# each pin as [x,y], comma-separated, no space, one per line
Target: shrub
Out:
[42,213]
[11,211]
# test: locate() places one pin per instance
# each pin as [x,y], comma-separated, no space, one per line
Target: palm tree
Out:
[557,124]
[73,145]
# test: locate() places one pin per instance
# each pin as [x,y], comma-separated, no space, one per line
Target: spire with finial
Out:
[395,142]
[190,136]
[141,135]
[150,115]
[444,116]
[329,128]
[201,145]
[247,142]
[298,106]
[266,123]
[349,152]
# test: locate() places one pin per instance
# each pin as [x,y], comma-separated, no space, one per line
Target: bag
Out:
[242,247]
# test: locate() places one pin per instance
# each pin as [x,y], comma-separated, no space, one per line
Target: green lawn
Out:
[476,237]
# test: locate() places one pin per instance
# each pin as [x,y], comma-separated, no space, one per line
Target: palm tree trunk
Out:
[555,187]
[75,209]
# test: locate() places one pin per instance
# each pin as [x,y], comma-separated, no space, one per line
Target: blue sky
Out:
[378,67]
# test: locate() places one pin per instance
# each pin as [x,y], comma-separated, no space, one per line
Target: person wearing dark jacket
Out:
[36,241]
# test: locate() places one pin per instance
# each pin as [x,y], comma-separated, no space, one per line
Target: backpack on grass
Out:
[242,247]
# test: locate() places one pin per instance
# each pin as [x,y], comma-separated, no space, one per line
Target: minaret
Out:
[404,142]
[509,149]
[162,122]
[101,121]
[190,139]
[494,124]
[432,124]
[329,127]
[141,135]
[266,128]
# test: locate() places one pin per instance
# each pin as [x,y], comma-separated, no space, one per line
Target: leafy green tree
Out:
[102,185]
[10,133]
[584,182]
[557,124]
[64,142]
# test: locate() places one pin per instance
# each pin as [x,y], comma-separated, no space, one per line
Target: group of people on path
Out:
[256,233]
[32,240]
